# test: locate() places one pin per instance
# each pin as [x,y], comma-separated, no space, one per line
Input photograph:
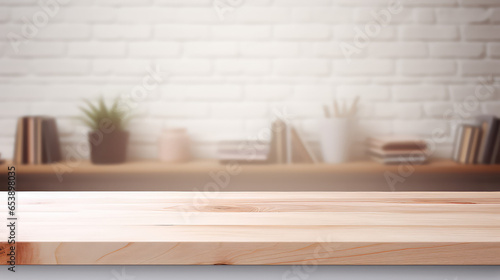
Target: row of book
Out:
[397,149]
[37,141]
[286,146]
[478,142]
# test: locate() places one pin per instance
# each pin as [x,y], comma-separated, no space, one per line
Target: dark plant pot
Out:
[108,148]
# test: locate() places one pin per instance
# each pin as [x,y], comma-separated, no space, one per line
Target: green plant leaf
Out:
[91,106]
[94,114]
[102,107]
[88,122]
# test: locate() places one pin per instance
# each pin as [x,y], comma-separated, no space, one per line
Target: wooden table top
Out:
[257,228]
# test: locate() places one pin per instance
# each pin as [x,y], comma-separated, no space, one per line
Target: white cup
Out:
[334,138]
[174,146]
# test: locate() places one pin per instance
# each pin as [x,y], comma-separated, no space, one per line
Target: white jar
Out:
[175,146]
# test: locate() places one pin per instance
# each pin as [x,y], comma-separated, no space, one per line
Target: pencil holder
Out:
[335,139]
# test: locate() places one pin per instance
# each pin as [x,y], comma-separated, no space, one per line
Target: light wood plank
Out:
[257,228]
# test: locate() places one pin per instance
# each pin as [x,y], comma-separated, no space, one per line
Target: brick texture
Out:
[224,71]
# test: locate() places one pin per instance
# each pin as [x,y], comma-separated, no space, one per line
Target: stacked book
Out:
[478,143]
[286,146]
[241,151]
[37,141]
[397,149]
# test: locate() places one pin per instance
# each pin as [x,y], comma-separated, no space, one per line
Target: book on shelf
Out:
[374,151]
[458,143]
[397,142]
[37,141]
[301,152]
[244,151]
[278,148]
[495,159]
[474,145]
[396,149]
[286,147]
[51,151]
[489,126]
[478,142]
[411,159]
[465,138]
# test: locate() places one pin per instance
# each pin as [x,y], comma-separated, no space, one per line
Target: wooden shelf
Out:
[150,175]
[204,166]
[257,228]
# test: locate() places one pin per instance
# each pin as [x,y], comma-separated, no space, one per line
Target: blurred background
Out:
[223,69]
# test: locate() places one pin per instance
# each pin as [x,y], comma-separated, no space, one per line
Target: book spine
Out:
[301,147]
[54,152]
[465,144]
[484,142]
[490,129]
[31,150]
[38,140]
[18,149]
[495,155]
[25,143]
[281,142]
[458,143]
[475,145]
[45,141]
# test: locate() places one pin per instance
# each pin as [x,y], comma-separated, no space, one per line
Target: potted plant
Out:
[108,138]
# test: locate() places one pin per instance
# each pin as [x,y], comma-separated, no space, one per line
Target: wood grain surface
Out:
[257,228]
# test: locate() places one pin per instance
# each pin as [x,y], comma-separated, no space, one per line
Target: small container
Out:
[335,139]
[108,148]
[175,146]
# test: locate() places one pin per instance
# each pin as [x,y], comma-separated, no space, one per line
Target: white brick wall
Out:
[227,70]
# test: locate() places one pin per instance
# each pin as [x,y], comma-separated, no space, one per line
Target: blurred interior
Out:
[201,87]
